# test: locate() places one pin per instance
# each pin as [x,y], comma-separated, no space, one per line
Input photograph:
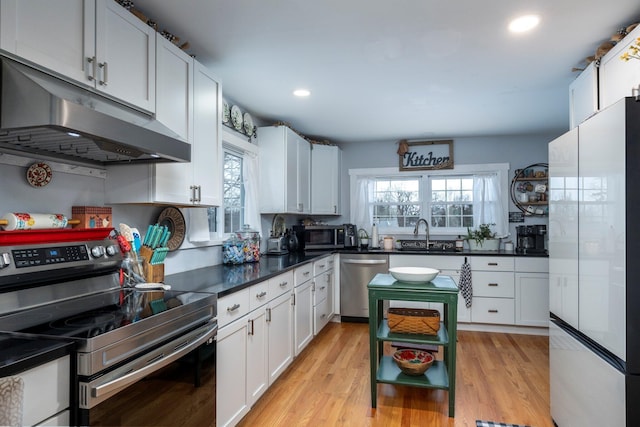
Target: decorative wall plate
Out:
[174,220]
[39,174]
[226,112]
[236,117]
[248,124]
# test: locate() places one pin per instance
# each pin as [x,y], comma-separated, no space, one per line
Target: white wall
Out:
[66,190]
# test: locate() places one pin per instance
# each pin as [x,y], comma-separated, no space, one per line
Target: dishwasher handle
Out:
[365,261]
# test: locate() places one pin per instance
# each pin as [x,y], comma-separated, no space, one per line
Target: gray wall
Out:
[518,151]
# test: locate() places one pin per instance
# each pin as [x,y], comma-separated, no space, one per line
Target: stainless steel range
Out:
[71,290]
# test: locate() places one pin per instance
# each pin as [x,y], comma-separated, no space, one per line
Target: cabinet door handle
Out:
[198,193]
[234,307]
[105,78]
[250,331]
[492,311]
[261,294]
[92,61]
[192,199]
[492,263]
[283,284]
[306,273]
[492,284]
[268,314]
[293,299]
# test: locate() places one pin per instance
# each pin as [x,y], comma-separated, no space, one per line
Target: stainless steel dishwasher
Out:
[356,271]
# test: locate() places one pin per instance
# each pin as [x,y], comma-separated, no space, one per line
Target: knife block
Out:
[153,273]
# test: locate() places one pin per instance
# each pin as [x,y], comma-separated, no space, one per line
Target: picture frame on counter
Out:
[425,155]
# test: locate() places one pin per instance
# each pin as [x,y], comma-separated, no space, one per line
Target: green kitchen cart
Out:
[442,374]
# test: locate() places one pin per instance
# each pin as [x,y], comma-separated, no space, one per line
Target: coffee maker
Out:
[350,236]
[531,239]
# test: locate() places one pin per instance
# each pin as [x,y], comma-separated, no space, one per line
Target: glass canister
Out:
[233,250]
[251,243]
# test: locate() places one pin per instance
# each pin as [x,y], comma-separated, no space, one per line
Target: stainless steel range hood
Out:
[46,116]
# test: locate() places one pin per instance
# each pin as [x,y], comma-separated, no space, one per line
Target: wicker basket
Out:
[413,362]
[414,321]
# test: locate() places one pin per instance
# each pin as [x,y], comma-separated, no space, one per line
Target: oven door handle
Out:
[158,362]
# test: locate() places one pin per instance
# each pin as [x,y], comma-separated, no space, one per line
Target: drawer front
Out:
[303,273]
[493,310]
[321,265]
[280,284]
[532,265]
[232,307]
[259,295]
[493,284]
[320,289]
[320,316]
[492,263]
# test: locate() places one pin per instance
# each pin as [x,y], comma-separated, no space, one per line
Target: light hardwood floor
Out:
[500,377]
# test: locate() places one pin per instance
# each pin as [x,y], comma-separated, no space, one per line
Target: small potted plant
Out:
[482,238]
[363,238]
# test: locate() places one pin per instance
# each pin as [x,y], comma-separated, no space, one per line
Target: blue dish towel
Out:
[465,283]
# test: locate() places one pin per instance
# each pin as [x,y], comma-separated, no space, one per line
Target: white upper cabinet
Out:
[174,88]
[583,95]
[285,171]
[619,78]
[93,42]
[325,179]
[198,183]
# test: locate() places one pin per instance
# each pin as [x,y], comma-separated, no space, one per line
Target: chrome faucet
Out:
[426,224]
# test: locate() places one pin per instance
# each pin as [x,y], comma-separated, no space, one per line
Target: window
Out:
[450,200]
[399,202]
[233,192]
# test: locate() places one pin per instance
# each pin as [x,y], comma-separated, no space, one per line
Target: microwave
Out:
[319,237]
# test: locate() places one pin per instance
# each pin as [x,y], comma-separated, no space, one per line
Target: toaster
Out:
[277,245]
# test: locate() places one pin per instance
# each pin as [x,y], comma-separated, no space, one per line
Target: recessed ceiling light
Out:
[524,23]
[301,92]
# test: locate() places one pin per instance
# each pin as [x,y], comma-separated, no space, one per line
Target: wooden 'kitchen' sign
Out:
[425,155]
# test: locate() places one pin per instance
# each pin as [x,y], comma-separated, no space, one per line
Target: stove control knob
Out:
[97,251]
[5,260]
[112,250]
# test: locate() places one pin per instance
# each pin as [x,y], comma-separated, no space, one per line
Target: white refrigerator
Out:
[594,258]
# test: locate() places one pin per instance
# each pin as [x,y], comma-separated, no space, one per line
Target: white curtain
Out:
[361,209]
[488,203]
[250,174]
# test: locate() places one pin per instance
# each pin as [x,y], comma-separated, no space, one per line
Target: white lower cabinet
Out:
[532,291]
[303,315]
[232,350]
[254,349]
[46,393]
[322,293]
[493,290]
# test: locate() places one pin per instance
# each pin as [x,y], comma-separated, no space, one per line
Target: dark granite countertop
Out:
[21,352]
[224,279]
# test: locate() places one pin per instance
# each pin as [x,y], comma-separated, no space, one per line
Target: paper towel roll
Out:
[33,221]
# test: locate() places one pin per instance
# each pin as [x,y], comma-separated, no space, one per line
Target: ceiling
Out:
[402,69]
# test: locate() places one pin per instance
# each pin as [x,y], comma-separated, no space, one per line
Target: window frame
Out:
[502,169]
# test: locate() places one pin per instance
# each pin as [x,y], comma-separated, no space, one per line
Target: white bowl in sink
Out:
[414,274]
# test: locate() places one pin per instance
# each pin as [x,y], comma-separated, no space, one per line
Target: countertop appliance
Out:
[531,239]
[594,344]
[350,236]
[277,245]
[42,114]
[320,237]
[356,271]
[70,290]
